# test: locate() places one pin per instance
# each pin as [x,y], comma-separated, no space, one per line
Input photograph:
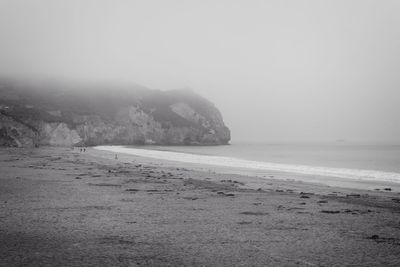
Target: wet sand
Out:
[61,207]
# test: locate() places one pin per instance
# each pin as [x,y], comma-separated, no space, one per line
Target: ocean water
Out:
[355,161]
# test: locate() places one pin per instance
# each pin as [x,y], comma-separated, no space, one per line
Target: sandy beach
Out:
[63,207]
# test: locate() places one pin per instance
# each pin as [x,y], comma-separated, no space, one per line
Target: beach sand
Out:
[63,207]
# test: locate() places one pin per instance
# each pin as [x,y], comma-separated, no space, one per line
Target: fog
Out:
[277,70]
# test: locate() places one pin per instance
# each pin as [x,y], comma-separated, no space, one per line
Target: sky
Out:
[278,70]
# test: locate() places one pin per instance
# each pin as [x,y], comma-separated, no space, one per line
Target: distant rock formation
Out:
[73,115]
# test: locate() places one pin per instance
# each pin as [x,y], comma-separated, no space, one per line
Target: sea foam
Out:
[345,173]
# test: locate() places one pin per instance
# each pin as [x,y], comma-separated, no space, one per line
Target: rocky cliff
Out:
[60,115]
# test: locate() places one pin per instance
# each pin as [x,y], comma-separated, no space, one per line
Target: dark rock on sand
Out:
[244,222]
[330,211]
[225,194]
[132,190]
[305,195]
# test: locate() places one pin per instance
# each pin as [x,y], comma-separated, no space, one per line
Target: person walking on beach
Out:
[116,157]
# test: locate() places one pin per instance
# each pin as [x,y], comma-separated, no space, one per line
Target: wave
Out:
[345,173]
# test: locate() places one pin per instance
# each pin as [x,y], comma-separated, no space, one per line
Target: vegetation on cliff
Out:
[81,114]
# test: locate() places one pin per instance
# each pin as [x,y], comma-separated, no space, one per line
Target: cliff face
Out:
[75,115]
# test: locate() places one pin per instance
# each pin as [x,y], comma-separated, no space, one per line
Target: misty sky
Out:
[277,70]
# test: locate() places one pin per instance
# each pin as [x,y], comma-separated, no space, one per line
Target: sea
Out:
[377,163]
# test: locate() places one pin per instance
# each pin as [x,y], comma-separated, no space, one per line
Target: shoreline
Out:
[326,180]
[64,207]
